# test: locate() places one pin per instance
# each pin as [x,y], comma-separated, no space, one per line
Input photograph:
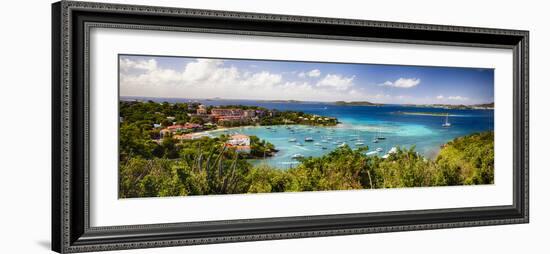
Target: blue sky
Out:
[188,77]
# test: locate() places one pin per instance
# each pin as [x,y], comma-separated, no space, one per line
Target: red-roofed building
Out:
[177,128]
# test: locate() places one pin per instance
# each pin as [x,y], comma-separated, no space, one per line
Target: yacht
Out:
[308,139]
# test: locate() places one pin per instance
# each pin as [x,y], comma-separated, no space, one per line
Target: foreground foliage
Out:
[205,166]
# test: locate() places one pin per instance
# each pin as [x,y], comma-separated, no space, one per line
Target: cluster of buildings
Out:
[233,115]
[221,116]
[227,116]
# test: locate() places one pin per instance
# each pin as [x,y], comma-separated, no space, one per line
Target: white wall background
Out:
[25,125]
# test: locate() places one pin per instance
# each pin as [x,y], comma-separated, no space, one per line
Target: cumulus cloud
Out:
[207,78]
[146,65]
[457,98]
[315,73]
[402,83]
[336,81]
[452,98]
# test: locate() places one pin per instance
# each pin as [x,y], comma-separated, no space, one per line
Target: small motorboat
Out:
[308,139]
[292,140]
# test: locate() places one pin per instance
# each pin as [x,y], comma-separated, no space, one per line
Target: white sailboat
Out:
[447,123]
[380,135]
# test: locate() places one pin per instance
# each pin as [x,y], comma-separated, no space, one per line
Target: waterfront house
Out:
[240,142]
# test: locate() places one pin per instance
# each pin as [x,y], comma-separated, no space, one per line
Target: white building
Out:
[239,140]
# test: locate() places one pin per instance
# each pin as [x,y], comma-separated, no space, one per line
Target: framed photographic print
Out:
[181,126]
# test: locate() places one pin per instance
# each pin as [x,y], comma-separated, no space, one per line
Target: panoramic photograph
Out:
[212,126]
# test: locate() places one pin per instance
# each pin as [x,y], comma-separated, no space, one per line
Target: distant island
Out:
[421,113]
[357,103]
[284,101]
[452,106]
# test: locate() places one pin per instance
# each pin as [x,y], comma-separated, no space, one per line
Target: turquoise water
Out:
[359,124]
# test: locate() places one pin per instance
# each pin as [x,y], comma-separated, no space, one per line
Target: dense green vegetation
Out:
[293,117]
[205,166]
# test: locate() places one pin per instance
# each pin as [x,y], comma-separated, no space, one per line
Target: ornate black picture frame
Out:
[71,22]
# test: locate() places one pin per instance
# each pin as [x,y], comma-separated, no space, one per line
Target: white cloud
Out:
[127,64]
[452,98]
[314,73]
[402,83]
[457,98]
[336,81]
[207,78]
